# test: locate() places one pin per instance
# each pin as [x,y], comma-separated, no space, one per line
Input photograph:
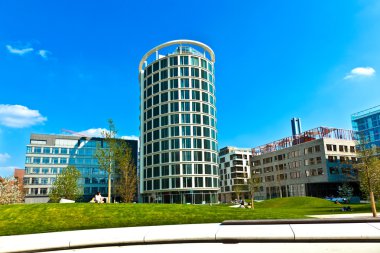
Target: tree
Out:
[125,166]
[252,186]
[66,185]
[106,155]
[369,171]
[116,158]
[10,191]
[345,191]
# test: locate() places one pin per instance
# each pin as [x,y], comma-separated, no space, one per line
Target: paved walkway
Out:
[326,231]
[344,215]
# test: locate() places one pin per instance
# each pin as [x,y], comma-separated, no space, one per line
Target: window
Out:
[184,60]
[164,85]
[194,72]
[184,71]
[197,155]
[175,169]
[195,83]
[196,119]
[206,132]
[164,108]
[165,170]
[185,118]
[204,85]
[164,145]
[186,143]
[317,148]
[185,83]
[185,130]
[186,156]
[187,182]
[329,147]
[185,94]
[204,97]
[164,97]
[164,120]
[164,74]
[175,155]
[196,107]
[206,120]
[174,95]
[156,111]
[175,182]
[174,84]
[205,108]
[185,106]
[164,63]
[197,143]
[173,61]
[198,168]
[195,95]
[174,107]
[174,119]
[197,131]
[173,72]
[164,132]
[194,61]
[174,131]
[206,144]
[198,181]
[174,144]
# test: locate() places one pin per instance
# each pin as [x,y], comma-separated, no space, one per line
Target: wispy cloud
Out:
[18,116]
[4,157]
[19,51]
[7,171]
[130,137]
[93,132]
[44,53]
[360,72]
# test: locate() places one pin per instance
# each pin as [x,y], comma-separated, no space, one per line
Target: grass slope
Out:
[39,218]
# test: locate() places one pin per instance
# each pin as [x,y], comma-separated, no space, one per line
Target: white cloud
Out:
[93,132]
[43,53]
[360,71]
[18,116]
[4,157]
[19,51]
[131,137]
[7,171]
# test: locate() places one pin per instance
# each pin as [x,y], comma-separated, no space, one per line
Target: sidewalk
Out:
[362,230]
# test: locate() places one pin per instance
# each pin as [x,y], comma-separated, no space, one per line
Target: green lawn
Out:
[39,218]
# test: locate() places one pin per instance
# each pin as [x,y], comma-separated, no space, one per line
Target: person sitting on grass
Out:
[98,198]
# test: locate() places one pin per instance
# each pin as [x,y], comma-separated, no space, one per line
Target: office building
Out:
[234,170]
[47,155]
[178,154]
[366,125]
[313,163]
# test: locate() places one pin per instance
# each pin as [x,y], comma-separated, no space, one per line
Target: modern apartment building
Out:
[178,152]
[234,170]
[366,125]
[313,163]
[47,155]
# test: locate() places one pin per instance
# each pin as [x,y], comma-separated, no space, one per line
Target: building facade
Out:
[47,155]
[313,163]
[366,125]
[234,170]
[178,152]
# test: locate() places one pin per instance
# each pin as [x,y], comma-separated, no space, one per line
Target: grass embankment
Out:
[39,218]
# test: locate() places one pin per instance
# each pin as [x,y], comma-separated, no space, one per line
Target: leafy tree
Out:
[66,185]
[115,159]
[252,183]
[10,191]
[127,181]
[106,155]
[369,171]
[345,191]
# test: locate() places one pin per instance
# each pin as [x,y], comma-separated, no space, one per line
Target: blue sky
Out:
[74,64]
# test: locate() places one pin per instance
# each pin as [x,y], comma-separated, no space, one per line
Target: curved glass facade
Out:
[178,150]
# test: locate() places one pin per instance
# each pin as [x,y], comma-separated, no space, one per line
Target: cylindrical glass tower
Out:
[178,151]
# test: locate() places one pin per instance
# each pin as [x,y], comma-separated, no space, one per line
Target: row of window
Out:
[342,148]
[183,118]
[173,61]
[180,106]
[60,160]
[60,151]
[54,171]
[178,156]
[176,182]
[184,143]
[173,84]
[86,190]
[178,72]
[179,95]
[176,131]
[177,169]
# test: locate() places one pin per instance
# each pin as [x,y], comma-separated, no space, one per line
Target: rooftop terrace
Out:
[309,135]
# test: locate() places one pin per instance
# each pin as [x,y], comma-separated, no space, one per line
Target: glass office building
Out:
[47,155]
[178,152]
[366,124]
